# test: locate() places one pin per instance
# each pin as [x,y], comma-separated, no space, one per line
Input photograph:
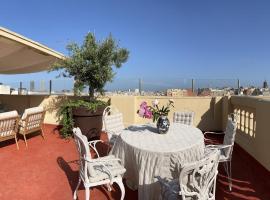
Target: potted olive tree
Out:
[91,65]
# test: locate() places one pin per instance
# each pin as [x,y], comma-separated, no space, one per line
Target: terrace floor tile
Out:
[48,169]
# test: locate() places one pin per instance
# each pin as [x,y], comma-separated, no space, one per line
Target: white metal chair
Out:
[100,171]
[113,123]
[196,181]
[226,149]
[184,117]
[9,126]
[32,121]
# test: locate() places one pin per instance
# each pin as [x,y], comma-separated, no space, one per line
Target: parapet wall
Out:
[253,130]
[208,111]
[210,114]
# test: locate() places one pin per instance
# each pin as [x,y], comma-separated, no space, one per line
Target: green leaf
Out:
[91,64]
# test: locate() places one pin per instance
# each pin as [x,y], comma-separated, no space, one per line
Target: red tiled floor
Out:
[46,170]
[250,180]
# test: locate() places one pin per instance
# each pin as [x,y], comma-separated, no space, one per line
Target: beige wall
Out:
[253,131]
[21,102]
[208,111]
[210,114]
[127,106]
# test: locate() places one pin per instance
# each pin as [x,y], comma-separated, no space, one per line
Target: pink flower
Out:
[148,113]
[145,111]
[141,112]
[143,105]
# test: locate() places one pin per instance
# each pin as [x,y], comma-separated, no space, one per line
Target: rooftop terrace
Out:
[48,170]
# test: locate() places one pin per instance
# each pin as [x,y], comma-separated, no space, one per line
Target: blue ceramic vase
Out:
[163,124]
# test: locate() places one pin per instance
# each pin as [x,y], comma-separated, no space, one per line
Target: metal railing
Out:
[136,86]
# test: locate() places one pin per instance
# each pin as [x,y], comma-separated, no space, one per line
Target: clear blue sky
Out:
[174,39]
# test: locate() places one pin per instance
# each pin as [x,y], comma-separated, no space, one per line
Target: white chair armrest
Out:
[93,143]
[214,133]
[101,161]
[106,160]
[205,139]
[219,147]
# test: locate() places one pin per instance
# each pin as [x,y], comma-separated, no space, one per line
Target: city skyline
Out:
[58,85]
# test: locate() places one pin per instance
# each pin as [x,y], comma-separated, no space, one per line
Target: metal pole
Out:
[20,89]
[238,85]
[192,85]
[50,89]
[140,86]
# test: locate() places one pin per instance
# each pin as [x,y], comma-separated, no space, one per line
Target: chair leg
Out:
[87,193]
[25,140]
[121,186]
[230,175]
[109,188]
[228,172]
[16,140]
[76,189]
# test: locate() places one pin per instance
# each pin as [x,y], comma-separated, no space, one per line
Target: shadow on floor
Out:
[249,179]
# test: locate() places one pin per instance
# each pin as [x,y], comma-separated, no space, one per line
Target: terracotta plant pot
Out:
[90,122]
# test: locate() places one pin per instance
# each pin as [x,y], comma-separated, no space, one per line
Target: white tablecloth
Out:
[146,154]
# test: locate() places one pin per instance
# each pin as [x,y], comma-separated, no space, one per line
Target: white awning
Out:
[19,54]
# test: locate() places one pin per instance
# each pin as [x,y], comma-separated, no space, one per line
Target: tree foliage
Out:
[91,64]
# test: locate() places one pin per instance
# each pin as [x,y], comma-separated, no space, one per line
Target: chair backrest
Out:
[81,142]
[185,117]
[113,120]
[33,118]
[8,123]
[229,136]
[198,180]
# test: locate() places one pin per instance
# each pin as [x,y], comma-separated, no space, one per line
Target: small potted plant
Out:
[157,114]
[91,65]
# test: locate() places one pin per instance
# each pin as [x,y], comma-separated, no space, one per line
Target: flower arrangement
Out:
[154,111]
[145,111]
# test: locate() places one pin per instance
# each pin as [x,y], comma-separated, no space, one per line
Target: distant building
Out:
[4,89]
[249,91]
[204,92]
[137,91]
[176,92]
[190,93]
[212,92]
[265,85]
[218,92]
[266,93]
[257,92]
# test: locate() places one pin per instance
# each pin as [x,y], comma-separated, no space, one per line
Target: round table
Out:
[146,154]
